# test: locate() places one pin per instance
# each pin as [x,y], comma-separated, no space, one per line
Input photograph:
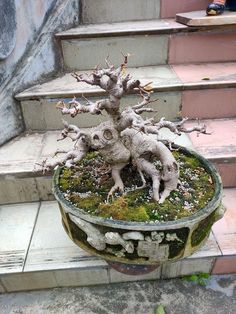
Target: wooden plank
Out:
[199,18]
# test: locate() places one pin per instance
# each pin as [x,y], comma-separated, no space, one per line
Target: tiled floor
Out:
[37,253]
[16,228]
[51,248]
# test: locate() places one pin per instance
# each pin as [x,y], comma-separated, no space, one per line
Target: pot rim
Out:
[149,225]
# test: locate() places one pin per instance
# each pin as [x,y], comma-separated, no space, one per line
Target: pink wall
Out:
[169,8]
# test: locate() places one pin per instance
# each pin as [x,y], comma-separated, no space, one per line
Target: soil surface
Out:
[87,185]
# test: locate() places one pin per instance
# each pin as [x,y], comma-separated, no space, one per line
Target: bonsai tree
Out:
[126,137]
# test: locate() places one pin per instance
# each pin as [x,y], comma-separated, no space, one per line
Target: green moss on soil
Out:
[93,174]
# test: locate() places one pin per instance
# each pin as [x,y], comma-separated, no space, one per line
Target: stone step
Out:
[147,41]
[21,179]
[110,11]
[36,253]
[150,42]
[219,147]
[198,91]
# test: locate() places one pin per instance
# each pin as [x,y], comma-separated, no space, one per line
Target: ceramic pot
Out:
[141,243]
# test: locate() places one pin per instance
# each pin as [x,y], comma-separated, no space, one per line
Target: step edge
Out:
[97,92]
[169,29]
[102,264]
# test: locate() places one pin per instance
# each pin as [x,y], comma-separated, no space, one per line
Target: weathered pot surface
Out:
[142,243]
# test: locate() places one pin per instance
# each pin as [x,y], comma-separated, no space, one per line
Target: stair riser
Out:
[42,115]
[170,8]
[227,172]
[28,189]
[87,276]
[209,103]
[202,47]
[150,49]
[145,50]
[109,11]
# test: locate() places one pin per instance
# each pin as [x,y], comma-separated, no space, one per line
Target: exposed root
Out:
[119,185]
[151,171]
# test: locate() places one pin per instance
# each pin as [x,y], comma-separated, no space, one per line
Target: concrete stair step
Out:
[219,147]
[36,252]
[150,42]
[21,179]
[90,45]
[197,90]
[101,11]
[199,18]
[151,26]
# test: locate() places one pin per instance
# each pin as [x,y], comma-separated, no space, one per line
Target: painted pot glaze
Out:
[142,243]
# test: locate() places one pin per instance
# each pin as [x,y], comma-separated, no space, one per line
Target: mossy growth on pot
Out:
[86,186]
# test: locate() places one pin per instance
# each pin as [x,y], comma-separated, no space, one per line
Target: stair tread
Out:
[199,18]
[123,28]
[163,78]
[41,249]
[66,85]
[19,156]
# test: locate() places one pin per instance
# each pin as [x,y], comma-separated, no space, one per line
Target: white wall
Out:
[30,15]
[36,54]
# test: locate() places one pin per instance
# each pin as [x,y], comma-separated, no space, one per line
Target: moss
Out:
[65,183]
[91,155]
[120,210]
[89,203]
[93,174]
[138,214]
[191,162]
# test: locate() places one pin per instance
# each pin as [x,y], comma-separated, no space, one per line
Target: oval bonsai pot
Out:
[142,243]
